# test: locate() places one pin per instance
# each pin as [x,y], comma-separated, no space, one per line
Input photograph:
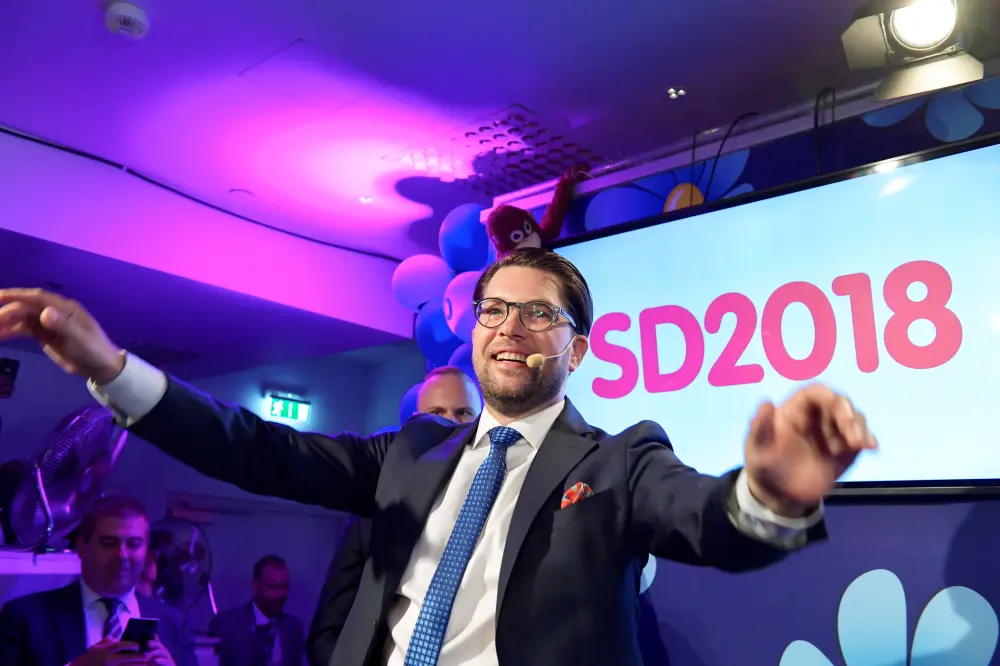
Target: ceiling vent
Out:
[124,18]
[507,152]
[518,149]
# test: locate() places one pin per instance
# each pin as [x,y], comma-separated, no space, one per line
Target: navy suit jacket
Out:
[235,629]
[48,628]
[569,578]
[343,580]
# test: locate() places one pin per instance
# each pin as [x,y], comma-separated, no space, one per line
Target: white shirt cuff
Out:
[758,521]
[134,393]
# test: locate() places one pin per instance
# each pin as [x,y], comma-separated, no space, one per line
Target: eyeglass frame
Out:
[520,313]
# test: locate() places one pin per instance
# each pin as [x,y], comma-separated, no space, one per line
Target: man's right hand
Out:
[63,329]
[109,653]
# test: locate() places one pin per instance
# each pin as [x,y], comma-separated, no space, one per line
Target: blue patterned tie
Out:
[428,634]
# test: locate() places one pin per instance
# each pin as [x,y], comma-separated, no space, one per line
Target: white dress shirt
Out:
[262,619]
[470,639]
[95,612]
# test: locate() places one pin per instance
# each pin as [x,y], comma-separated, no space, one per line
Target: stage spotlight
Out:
[928,44]
[925,25]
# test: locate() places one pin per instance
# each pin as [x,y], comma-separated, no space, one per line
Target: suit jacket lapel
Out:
[71,621]
[432,471]
[563,449]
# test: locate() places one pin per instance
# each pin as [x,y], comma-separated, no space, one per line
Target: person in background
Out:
[80,624]
[447,392]
[260,633]
[514,540]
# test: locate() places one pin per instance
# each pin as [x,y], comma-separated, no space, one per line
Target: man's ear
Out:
[579,349]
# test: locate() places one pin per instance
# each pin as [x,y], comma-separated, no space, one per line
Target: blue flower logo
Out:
[665,192]
[708,181]
[958,627]
[951,115]
[648,574]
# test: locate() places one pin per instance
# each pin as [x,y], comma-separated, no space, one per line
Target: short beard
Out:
[547,383]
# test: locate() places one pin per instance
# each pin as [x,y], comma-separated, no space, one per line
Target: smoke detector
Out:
[124,18]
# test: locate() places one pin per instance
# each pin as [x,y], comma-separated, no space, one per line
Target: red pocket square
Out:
[575,493]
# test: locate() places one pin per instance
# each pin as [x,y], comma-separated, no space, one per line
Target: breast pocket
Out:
[588,511]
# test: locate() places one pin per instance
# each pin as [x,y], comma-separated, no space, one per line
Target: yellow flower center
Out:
[683,196]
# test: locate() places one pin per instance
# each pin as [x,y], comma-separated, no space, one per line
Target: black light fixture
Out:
[928,44]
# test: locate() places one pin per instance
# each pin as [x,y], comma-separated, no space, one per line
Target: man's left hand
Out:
[796,452]
[159,655]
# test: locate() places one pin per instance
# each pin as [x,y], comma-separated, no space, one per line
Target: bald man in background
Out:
[446,392]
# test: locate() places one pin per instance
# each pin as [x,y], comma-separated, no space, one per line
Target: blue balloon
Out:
[462,239]
[457,304]
[408,405]
[491,256]
[434,338]
[420,279]
[462,359]
[619,205]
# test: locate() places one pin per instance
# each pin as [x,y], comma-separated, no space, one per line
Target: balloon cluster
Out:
[439,289]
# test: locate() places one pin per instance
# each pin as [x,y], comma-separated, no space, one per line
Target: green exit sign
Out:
[289,409]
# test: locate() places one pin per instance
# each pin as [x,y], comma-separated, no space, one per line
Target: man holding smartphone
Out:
[99,620]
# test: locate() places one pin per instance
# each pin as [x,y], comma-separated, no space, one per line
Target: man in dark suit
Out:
[80,624]
[260,633]
[518,539]
[446,392]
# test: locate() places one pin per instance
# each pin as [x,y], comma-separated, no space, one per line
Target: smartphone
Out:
[139,630]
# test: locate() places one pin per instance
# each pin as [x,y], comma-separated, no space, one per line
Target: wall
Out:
[357,391]
[187,239]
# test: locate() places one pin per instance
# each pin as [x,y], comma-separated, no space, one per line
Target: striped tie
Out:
[112,625]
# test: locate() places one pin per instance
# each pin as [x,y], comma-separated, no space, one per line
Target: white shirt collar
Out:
[533,428]
[91,598]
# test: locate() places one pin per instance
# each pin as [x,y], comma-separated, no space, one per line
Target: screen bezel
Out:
[846,489]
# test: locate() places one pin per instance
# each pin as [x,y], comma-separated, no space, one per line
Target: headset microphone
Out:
[536,360]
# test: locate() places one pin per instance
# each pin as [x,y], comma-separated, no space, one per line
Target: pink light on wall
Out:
[69,200]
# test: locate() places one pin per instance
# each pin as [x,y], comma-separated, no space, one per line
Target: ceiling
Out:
[299,113]
[192,329]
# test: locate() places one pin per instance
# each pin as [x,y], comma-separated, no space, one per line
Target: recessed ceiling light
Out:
[676,92]
[240,191]
[365,200]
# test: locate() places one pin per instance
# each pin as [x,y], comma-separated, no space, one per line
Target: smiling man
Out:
[80,624]
[518,539]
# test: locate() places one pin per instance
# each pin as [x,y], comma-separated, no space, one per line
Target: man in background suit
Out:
[518,539]
[80,624]
[260,633]
[446,392]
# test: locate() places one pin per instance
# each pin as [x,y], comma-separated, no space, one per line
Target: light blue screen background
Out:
[932,424]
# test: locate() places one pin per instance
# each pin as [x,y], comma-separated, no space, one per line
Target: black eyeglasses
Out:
[536,316]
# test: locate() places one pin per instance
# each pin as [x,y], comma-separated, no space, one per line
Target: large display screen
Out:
[884,286]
